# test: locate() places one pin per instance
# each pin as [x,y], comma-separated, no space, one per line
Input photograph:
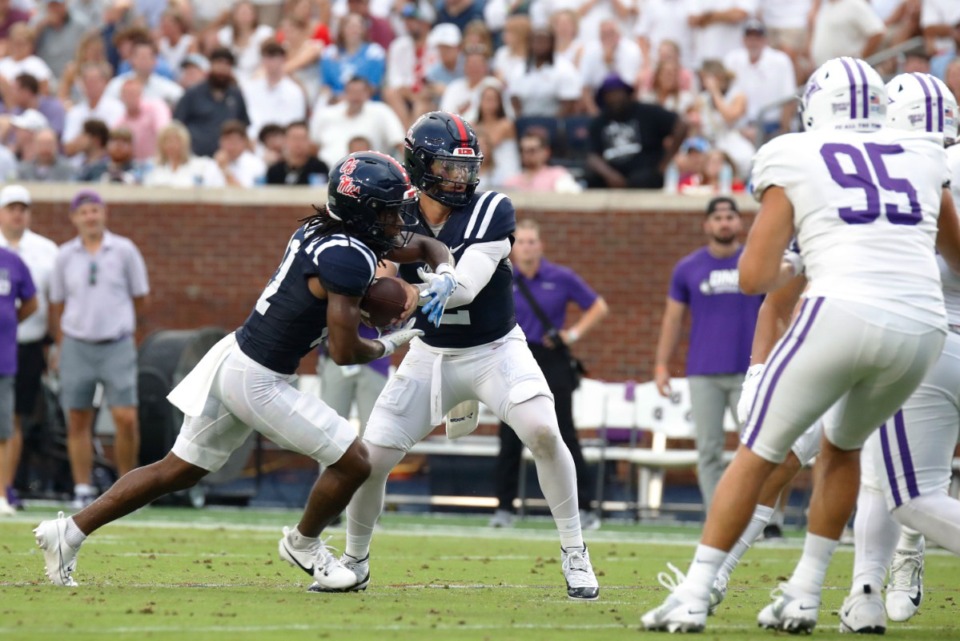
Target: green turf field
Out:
[215,574]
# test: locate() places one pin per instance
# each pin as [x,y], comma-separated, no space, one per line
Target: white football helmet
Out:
[921,102]
[844,93]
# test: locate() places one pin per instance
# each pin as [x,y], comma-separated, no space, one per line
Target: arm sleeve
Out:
[344,268]
[475,268]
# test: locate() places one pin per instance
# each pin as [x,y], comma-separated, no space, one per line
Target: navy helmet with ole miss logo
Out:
[442,154]
[370,192]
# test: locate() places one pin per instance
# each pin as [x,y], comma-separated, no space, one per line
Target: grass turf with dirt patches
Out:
[215,574]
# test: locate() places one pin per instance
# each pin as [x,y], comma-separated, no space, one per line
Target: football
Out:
[383,302]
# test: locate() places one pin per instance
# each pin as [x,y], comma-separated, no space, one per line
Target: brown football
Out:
[383,302]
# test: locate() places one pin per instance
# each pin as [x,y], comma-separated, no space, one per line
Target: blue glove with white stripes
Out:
[440,286]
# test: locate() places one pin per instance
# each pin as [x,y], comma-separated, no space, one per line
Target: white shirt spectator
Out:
[109,110]
[716,40]
[40,255]
[332,129]
[459,93]
[279,104]
[842,28]
[8,164]
[248,58]
[33,65]
[666,20]
[540,90]
[785,14]
[199,171]
[247,169]
[402,62]
[626,62]
[542,10]
[205,11]
[506,65]
[770,79]
[156,88]
[944,13]
[174,54]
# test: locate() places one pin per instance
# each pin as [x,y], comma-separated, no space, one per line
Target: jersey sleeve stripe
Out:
[488,214]
[343,242]
[476,212]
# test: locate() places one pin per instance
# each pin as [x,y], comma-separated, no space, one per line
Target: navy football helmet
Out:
[371,195]
[443,157]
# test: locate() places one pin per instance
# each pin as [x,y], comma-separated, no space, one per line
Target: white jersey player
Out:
[863,202]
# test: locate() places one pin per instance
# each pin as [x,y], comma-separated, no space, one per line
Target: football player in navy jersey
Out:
[475,353]
[244,382]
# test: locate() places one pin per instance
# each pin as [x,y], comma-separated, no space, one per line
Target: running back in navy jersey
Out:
[488,217]
[288,320]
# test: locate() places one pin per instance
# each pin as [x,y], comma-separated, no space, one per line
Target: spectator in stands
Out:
[787,30]
[57,36]
[122,167]
[10,16]
[240,166]
[715,176]
[273,97]
[408,59]
[689,160]
[463,94]
[299,166]
[270,149]
[244,35]
[938,64]
[91,50]
[209,14]
[719,112]
[143,59]
[549,85]
[193,70]
[331,128]
[494,172]
[21,59]
[303,51]
[39,253]
[492,117]
[631,142]
[98,290]
[354,55]
[538,174]
[937,19]
[94,78]
[95,136]
[88,13]
[446,39]
[567,43]
[177,167]
[717,26]
[143,117]
[765,76]
[302,11]
[460,13]
[8,160]
[844,28]
[665,20]
[176,41]
[542,293]
[704,286]
[24,94]
[510,59]
[24,127]
[666,88]
[612,54]
[915,60]
[205,107]
[45,163]
[667,52]
[477,34]
[377,28]
[126,41]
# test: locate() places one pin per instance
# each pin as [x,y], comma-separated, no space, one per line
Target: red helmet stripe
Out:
[461,129]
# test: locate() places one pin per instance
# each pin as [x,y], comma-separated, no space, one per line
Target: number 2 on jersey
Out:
[862,178]
[263,303]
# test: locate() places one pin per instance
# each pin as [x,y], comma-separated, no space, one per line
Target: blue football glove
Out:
[440,286]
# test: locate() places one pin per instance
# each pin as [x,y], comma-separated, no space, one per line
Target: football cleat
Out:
[792,612]
[328,573]
[862,612]
[581,581]
[60,558]
[905,591]
[360,569]
[589,520]
[5,508]
[717,593]
[502,518]
[676,614]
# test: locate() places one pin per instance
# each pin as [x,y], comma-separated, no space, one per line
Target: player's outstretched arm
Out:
[762,259]
[422,248]
[345,345]
[948,232]
[476,268]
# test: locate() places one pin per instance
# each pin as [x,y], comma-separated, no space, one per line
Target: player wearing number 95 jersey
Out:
[244,382]
[864,203]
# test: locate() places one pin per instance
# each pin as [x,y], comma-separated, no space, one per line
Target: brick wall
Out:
[208,260]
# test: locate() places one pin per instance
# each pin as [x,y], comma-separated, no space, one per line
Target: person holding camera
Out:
[541,291]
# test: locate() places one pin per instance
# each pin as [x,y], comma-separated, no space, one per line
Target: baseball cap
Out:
[85,197]
[195,60]
[754,25]
[31,120]
[715,203]
[697,143]
[445,34]
[14,194]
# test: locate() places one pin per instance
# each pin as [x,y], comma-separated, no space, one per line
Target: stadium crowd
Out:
[564,94]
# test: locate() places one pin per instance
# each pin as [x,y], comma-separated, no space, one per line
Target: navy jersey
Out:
[486,218]
[288,320]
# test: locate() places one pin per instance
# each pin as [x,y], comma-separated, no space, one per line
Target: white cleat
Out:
[863,613]
[5,508]
[905,591]
[717,593]
[582,584]
[676,614]
[328,573]
[792,612]
[502,519]
[60,558]
[360,569]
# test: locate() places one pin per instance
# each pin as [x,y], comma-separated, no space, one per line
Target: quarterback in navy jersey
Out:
[471,351]
[244,382]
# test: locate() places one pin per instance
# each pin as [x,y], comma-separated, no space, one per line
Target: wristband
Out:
[572,336]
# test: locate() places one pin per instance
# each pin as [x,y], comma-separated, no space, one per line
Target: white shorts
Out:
[500,375]
[247,396]
[865,360]
[911,455]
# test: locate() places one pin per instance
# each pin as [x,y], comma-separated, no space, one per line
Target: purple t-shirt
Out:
[553,287]
[722,318]
[15,284]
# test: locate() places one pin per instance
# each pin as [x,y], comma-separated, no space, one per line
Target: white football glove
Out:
[392,340]
[795,261]
[751,384]
[440,286]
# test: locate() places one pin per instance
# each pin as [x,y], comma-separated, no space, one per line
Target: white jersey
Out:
[951,281]
[865,211]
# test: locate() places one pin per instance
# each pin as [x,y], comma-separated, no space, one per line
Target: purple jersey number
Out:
[862,178]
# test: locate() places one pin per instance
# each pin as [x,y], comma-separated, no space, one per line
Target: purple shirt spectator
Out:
[553,287]
[15,285]
[722,319]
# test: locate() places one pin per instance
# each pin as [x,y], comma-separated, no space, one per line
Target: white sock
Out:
[910,539]
[367,502]
[73,535]
[937,516]
[761,516]
[812,569]
[301,542]
[875,537]
[533,421]
[702,573]
[84,489]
